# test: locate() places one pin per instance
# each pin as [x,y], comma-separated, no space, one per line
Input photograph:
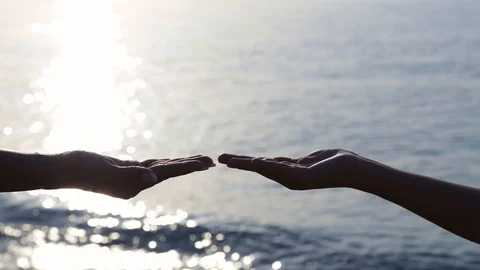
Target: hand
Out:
[120,178]
[320,169]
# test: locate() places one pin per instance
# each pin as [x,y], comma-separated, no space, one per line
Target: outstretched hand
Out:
[121,178]
[320,169]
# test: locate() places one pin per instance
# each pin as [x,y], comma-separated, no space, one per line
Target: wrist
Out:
[347,171]
[371,175]
[22,171]
[45,171]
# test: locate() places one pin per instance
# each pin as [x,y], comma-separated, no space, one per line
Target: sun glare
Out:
[87,92]
[89,105]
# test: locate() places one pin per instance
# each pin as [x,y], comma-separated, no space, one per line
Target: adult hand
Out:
[321,169]
[119,178]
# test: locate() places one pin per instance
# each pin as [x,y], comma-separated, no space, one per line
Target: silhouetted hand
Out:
[320,169]
[120,178]
[451,206]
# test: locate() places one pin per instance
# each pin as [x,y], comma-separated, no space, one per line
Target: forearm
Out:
[21,172]
[451,206]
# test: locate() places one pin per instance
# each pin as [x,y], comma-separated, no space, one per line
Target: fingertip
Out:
[207,161]
[282,159]
[240,163]
[223,158]
[148,162]
[231,162]
[262,161]
[257,160]
[196,165]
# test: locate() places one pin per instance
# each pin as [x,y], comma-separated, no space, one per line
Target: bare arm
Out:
[91,172]
[451,206]
[21,171]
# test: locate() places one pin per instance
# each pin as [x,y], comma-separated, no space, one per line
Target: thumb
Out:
[136,174]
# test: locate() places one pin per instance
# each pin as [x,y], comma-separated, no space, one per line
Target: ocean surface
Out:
[397,81]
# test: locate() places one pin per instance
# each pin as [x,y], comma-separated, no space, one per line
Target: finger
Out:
[150,162]
[241,163]
[318,157]
[308,160]
[169,170]
[203,159]
[181,158]
[224,158]
[281,172]
[120,162]
[280,159]
[324,153]
[273,167]
[245,163]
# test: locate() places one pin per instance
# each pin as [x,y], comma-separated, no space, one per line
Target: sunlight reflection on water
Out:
[81,92]
[87,94]
[89,105]
[106,241]
[376,77]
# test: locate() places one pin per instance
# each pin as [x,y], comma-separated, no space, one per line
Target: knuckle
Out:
[257,159]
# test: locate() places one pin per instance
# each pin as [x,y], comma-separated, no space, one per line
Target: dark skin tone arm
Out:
[91,172]
[451,206]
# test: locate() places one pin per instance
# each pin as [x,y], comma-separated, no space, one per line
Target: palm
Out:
[320,169]
[124,178]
